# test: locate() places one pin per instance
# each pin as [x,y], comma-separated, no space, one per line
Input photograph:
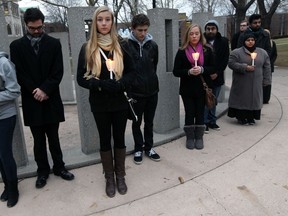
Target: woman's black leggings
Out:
[194,110]
[111,123]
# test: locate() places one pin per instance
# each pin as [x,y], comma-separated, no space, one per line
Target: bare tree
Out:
[226,8]
[54,3]
[134,6]
[241,8]
[91,2]
[116,8]
[166,3]
[267,16]
[57,10]
[204,6]
[283,7]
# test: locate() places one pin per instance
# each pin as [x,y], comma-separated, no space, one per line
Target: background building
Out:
[12,17]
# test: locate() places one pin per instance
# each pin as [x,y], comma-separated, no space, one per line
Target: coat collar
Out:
[28,46]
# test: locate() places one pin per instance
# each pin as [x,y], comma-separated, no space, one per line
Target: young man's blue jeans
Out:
[210,115]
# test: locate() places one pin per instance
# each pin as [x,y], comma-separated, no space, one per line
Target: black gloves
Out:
[94,84]
[109,85]
[112,86]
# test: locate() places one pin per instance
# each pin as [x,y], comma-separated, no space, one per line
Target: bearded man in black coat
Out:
[39,68]
[220,47]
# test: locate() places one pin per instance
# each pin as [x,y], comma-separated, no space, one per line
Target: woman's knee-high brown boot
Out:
[108,168]
[119,157]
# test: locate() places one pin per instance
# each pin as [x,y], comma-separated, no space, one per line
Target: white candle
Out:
[195,57]
[253,56]
[110,66]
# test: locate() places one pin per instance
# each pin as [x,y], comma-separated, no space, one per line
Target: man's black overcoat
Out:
[44,71]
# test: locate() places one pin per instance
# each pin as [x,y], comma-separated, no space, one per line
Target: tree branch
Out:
[249,4]
[235,4]
[274,6]
[52,3]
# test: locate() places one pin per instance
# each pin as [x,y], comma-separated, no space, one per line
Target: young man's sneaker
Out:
[138,157]
[206,130]
[214,127]
[152,155]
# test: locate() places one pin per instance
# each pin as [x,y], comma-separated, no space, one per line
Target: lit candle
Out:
[195,57]
[110,67]
[253,56]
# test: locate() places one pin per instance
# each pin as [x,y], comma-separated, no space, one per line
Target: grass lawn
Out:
[282,50]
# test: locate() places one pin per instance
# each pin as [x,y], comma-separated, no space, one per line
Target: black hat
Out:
[248,35]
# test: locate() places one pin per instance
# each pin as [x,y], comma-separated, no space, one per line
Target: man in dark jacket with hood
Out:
[145,89]
[220,46]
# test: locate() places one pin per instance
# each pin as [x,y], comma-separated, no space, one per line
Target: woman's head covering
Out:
[248,35]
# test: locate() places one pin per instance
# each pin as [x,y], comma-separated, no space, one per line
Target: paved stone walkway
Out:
[241,171]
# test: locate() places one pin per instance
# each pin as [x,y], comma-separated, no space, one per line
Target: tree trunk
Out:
[267,16]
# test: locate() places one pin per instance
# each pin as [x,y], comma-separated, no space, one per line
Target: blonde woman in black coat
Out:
[107,101]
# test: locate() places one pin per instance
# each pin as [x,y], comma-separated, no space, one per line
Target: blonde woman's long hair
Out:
[271,42]
[186,41]
[107,42]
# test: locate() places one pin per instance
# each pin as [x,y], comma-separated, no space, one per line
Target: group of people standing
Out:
[213,50]
[252,76]
[134,73]
[251,79]
[112,68]
[38,61]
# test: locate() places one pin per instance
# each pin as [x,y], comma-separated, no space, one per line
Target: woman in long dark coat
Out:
[246,94]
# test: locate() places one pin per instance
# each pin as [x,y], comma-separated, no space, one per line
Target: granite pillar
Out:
[78,31]
[165,30]
[66,85]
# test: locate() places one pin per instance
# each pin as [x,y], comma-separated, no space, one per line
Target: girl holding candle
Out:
[107,101]
[191,87]
[246,94]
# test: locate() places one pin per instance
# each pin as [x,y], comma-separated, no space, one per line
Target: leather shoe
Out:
[64,174]
[4,195]
[41,181]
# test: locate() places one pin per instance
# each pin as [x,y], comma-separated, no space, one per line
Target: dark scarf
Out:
[35,41]
[250,49]
[256,32]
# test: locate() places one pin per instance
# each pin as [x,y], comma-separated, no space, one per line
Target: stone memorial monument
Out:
[165,30]
[79,19]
